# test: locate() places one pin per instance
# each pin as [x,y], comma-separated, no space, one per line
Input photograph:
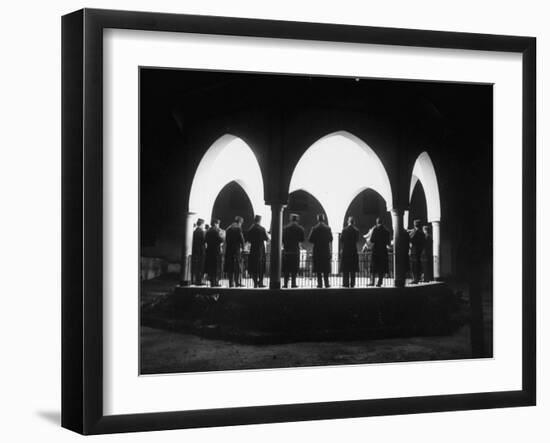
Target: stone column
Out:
[276,245]
[335,251]
[436,236]
[400,248]
[186,248]
[406,219]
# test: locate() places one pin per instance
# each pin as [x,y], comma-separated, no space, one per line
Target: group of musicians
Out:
[208,240]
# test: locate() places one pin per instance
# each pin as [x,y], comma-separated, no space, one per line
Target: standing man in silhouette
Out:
[428,255]
[293,235]
[321,237]
[234,244]
[198,251]
[380,239]
[349,263]
[214,241]
[417,241]
[257,236]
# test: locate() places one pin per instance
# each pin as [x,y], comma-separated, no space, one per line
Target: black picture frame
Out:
[82,218]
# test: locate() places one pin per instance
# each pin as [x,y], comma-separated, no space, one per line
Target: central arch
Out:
[229,159]
[337,168]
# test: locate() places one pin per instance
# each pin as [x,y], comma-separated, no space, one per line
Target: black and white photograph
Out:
[292,221]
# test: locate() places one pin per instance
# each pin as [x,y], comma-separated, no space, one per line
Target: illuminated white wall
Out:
[424,171]
[228,159]
[335,169]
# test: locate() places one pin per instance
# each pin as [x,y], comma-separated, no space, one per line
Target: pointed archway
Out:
[335,169]
[229,159]
[424,173]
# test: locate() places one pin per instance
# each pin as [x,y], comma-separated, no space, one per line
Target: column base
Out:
[399,283]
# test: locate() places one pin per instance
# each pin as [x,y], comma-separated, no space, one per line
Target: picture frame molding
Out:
[82,220]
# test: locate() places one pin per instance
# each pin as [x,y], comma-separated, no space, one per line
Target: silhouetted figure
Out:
[349,264]
[321,237]
[427,255]
[214,241]
[234,243]
[257,236]
[417,240]
[293,235]
[401,254]
[198,252]
[379,238]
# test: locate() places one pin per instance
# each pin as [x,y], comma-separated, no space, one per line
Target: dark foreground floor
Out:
[164,351]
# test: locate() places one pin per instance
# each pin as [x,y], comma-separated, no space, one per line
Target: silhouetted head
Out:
[351,221]
[294,217]
[378,221]
[257,219]
[239,220]
[215,222]
[200,221]
[321,218]
[417,223]
[426,229]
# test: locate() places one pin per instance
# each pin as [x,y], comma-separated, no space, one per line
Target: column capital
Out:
[276,204]
[396,212]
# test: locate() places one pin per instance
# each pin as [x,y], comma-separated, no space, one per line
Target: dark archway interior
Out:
[418,208]
[230,202]
[365,207]
[307,207]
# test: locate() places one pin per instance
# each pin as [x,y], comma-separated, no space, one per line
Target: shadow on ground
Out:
[169,349]
[53,417]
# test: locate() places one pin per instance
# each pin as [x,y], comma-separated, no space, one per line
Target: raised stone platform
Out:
[262,315]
